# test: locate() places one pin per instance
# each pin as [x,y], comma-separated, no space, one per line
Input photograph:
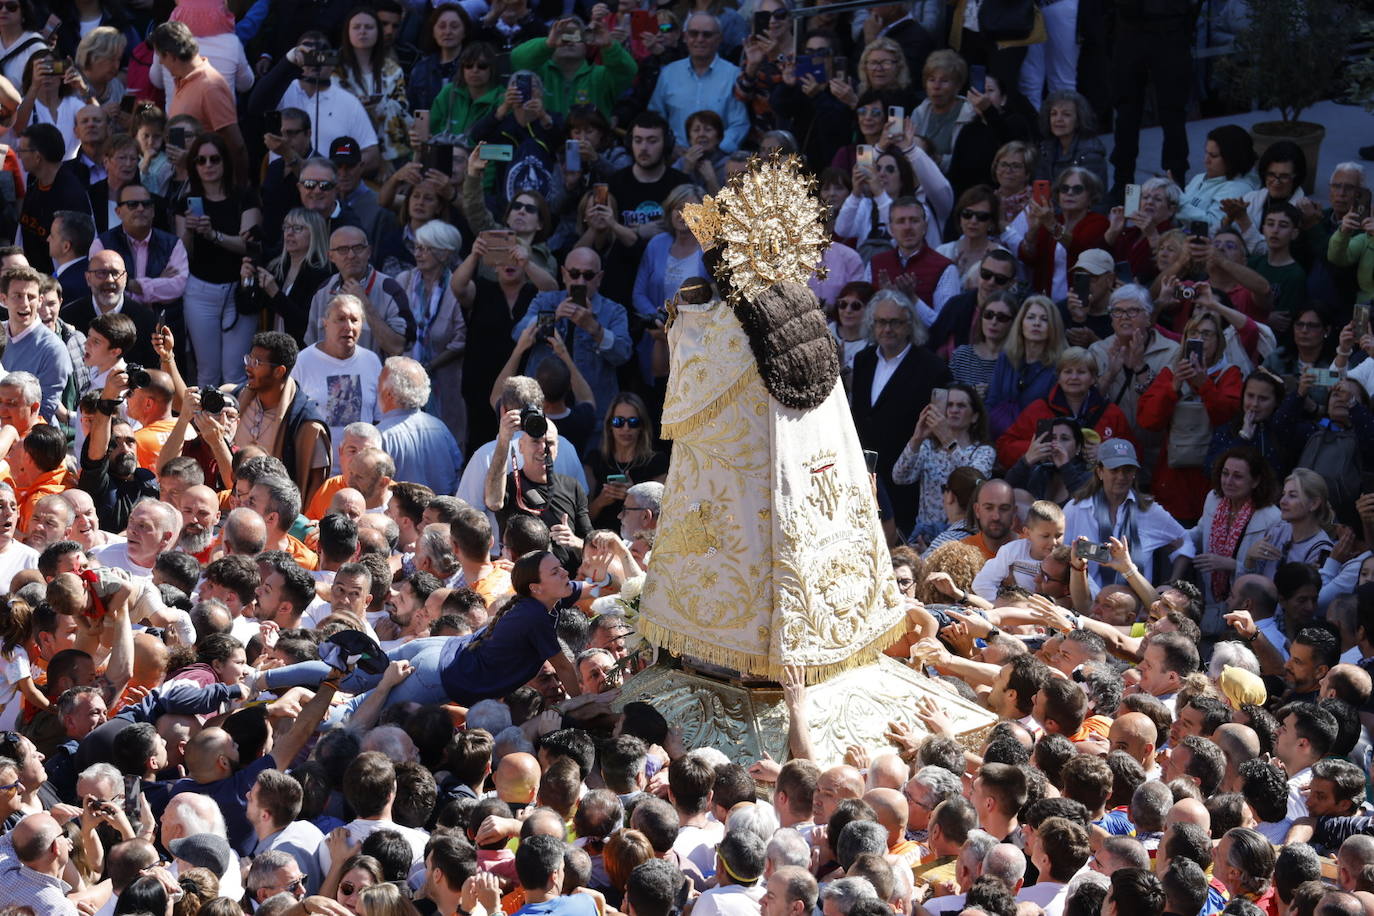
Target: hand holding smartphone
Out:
[1040,192]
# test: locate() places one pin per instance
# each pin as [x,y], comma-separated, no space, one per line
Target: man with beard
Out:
[407,619]
[278,416]
[109,464]
[199,508]
[994,508]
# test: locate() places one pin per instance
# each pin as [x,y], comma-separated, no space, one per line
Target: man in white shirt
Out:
[14,555]
[739,869]
[337,373]
[1306,733]
[369,787]
[1058,848]
[334,111]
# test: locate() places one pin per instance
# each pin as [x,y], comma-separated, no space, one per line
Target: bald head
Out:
[245,532]
[1347,682]
[888,771]
[517,778]
[349,503]
[211,755]
[834,786]
[36,841]
[1188,811]
[1006,862]
[891,808]
[150,660]
[1134,733]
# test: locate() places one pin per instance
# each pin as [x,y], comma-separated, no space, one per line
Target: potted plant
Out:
[1287,57]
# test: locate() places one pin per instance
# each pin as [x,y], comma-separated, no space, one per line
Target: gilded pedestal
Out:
[744,721]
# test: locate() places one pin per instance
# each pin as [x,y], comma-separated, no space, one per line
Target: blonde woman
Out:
[1028,364]
[1305,509]
[883,67]
[385,900]
[1011,171]
[98,58]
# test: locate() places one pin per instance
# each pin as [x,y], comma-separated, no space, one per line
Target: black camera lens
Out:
[138,376]
[533,422]
[212,400]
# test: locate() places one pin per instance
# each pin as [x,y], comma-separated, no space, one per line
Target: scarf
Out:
[1129,533]
[426,309]
[1228,527]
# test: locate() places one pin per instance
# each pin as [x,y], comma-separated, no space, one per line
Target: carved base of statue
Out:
[744,719]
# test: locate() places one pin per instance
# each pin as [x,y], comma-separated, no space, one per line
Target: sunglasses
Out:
[212,159]
[524,206]
[10,7]
[576,274]
[12,787]
[983,216]
[143,204]
[622,422]
[317,184]
[348,889]
[850,305]
[999,279]
[476,65]
[999,317]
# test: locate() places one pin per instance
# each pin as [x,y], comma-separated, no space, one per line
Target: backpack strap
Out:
[23,46]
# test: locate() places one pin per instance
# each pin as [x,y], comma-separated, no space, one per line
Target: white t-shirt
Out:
[360,829]
[14,67]
[1048,895]
[13,558]
[731,900]
[344,389]
[698,844]
[339,114]
[117,555]
[12,670]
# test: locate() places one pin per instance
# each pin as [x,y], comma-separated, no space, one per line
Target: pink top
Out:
[204,17]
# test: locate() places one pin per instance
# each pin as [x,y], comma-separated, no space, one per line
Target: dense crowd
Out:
[335,351]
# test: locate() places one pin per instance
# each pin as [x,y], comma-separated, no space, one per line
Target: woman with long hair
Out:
[98,57]
[975,362]
[440,330]
[1227,158]
[939,444]
[671,257]
[1054,467]
[19,39]
[348,877]
[1075,396]
[1026,367]
[441,38]
[1069,129]
[870,124]
[625,457]
[290,281]
[1238,510]
[51,98]
[215,222]
[369,71]
[472,93]
[1189,399]
[1300,536]
[1055,234]
[1110,506]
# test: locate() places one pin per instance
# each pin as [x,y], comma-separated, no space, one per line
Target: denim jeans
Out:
[1054,61]
[220,336]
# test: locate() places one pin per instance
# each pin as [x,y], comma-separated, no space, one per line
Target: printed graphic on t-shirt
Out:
[345,402]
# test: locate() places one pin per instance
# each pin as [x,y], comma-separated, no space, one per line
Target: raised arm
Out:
[494,491]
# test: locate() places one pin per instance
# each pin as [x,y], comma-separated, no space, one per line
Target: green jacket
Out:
[598,85]
[454,110]
[1357,251]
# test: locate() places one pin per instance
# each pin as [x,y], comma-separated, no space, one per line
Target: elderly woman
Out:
[1111,506]
[1050,240]
[440,330]
[1132,237]
[98,57]
[1075,396]
[1226,161]
[1070,139]
[1012,168]
[1026,367]
[1186,401]
[883,67]
[1238,510]
[944,114]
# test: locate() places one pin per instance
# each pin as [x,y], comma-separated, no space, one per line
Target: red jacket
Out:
[1102,415]
[1182,491]
[1091,232]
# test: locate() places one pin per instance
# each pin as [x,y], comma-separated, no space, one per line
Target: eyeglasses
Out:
[1072,189]
[1125,313]
[882,63]
[621,513]
[779,14]
[999,279]
[905,584]
[1307,325]
[1008,166]
[318,184]
[888,169]
[212,159]
[524,206]
[983,216]
[873,111]
[999,317]
[350,249]
[1278,176]
[296,885]
[700,33]
[622,422]
[11,7]
[108,273]
[575,274]
[476,65]
[347,889]
[252,362]
[889,322]
[849,305]
[294,227]
[143,203]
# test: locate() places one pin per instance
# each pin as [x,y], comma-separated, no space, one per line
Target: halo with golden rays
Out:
[769,224]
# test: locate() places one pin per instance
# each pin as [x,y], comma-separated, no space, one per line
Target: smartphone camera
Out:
[1087,550]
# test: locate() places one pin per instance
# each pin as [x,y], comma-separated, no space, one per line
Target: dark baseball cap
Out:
[345,151]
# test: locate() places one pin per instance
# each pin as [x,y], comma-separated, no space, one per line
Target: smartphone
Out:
[497,152]
[524,85]
[503,67]
[572,156]
[871,460]
[544,325]
[978,78]
[1124,273]
[1199,229]
[1040,192]
[176,136]
[617,478]
[939,399]
[57,67]
[1362,205]
[440,157]
[1194,348]
[271,122]
[1082,288]
[497,238]
[52,25]
[1325,378]
[578,294]
[762,20]
[420,125]
[812,64]
[160,320]
[601,194]
[1360,320]
[841,67]
[195,206]
[129,104]
[1087,550]
[866,155]
[1043,427]
[1132,199]
[896,115]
